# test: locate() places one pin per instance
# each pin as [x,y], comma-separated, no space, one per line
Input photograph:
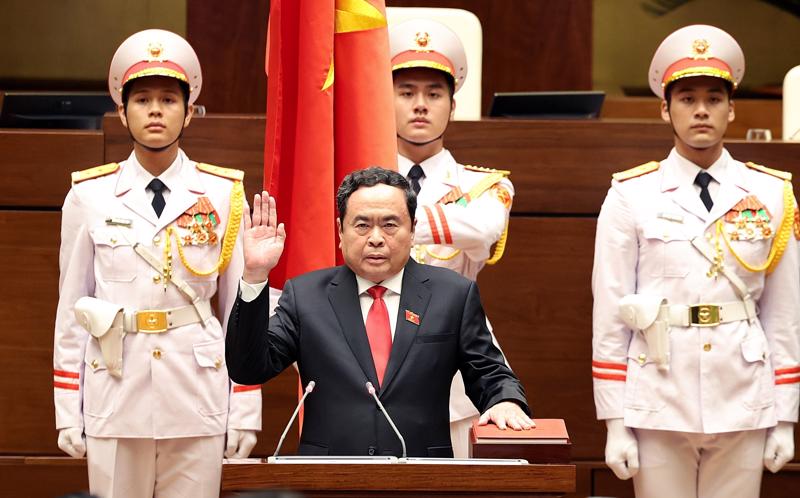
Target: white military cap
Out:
[154,52]
[697,50]
[427,43]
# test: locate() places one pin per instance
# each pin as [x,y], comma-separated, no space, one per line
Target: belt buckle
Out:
[151,321]
[704,315]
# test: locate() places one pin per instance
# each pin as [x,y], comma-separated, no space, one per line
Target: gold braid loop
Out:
[442,258]
[781,237]
[500,247]
[229,239]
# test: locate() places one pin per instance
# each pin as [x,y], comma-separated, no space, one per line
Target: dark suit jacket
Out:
[319,324]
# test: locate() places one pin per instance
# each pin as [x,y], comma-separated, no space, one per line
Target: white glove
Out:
[70,441]
[780,446]
[240,443]
[622,449]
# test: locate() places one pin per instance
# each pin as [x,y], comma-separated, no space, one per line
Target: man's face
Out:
[699,111]
[376,234]
[422,104]
[155,115]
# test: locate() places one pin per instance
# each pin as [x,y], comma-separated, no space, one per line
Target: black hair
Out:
[668,91]
[126,92]
[370,177]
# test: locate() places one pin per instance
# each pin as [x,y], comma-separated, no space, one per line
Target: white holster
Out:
[650,316]
[104,321]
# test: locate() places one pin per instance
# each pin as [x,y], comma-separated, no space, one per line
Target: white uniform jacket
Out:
[458,237]
[444,227]
[729,377]
[173,384]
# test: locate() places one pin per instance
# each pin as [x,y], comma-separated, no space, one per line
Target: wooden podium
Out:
[399,479]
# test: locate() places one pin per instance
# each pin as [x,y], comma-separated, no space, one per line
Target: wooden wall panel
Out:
[230,41]
[528,45]
[29,265]
[36,164]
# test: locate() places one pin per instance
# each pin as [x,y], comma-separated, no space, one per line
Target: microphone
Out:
[309,388]
[371,390]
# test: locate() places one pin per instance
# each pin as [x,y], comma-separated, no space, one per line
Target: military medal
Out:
[748,220]
[200,220]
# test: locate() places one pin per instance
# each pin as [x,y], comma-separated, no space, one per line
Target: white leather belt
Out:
[706,315]
[160,321]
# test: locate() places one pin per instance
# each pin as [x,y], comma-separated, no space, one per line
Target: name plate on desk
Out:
[548,442]
[299,459]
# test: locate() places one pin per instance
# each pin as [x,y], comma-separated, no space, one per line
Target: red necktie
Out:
[378,332]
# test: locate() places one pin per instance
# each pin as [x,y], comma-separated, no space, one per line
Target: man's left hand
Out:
[507,414]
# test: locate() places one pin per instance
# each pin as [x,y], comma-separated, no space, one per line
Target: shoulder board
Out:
[783,175]
[640,170]
[96,172]
[229,173]
[481,169]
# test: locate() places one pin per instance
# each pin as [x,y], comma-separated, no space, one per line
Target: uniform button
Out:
[157,354]
[706,347]
[156,279]
[113,240]
[217,362]
[642,358]
[156,240]
[94,364]
[371,451]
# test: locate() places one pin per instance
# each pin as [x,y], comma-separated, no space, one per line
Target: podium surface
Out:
[365,480]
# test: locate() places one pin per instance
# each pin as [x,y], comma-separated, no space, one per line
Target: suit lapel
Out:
[343,296]
[414,297]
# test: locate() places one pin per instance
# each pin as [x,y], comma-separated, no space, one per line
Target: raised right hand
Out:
[263,239]
[622,449]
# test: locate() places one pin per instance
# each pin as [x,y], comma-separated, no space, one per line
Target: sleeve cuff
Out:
[249,292]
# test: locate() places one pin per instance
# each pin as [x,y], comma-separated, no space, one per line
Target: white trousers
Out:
[691,465]
[160,468]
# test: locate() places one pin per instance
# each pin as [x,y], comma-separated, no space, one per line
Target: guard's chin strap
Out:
[419,144]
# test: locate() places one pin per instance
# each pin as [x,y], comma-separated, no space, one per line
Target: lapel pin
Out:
[412,317]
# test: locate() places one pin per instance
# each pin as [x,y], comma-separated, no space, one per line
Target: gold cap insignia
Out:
[155,51]
[422,39]
[700,49]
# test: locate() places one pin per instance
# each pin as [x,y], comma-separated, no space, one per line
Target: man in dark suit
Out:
[407,336]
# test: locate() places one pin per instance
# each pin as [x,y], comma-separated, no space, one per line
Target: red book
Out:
[548,442]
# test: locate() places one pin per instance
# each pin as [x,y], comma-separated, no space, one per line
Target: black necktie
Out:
[157,186]
[415,174]
[702,180]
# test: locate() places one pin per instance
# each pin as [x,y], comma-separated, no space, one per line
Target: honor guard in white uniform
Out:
[140,381]
[462,213]
[696,334]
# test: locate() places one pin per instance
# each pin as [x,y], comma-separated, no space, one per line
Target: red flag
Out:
[329,112]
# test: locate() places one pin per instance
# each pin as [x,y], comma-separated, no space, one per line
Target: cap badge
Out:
[422,39]
[700,49]
[156,51]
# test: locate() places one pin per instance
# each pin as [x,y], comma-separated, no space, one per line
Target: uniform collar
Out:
[682,172]
[440,167]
